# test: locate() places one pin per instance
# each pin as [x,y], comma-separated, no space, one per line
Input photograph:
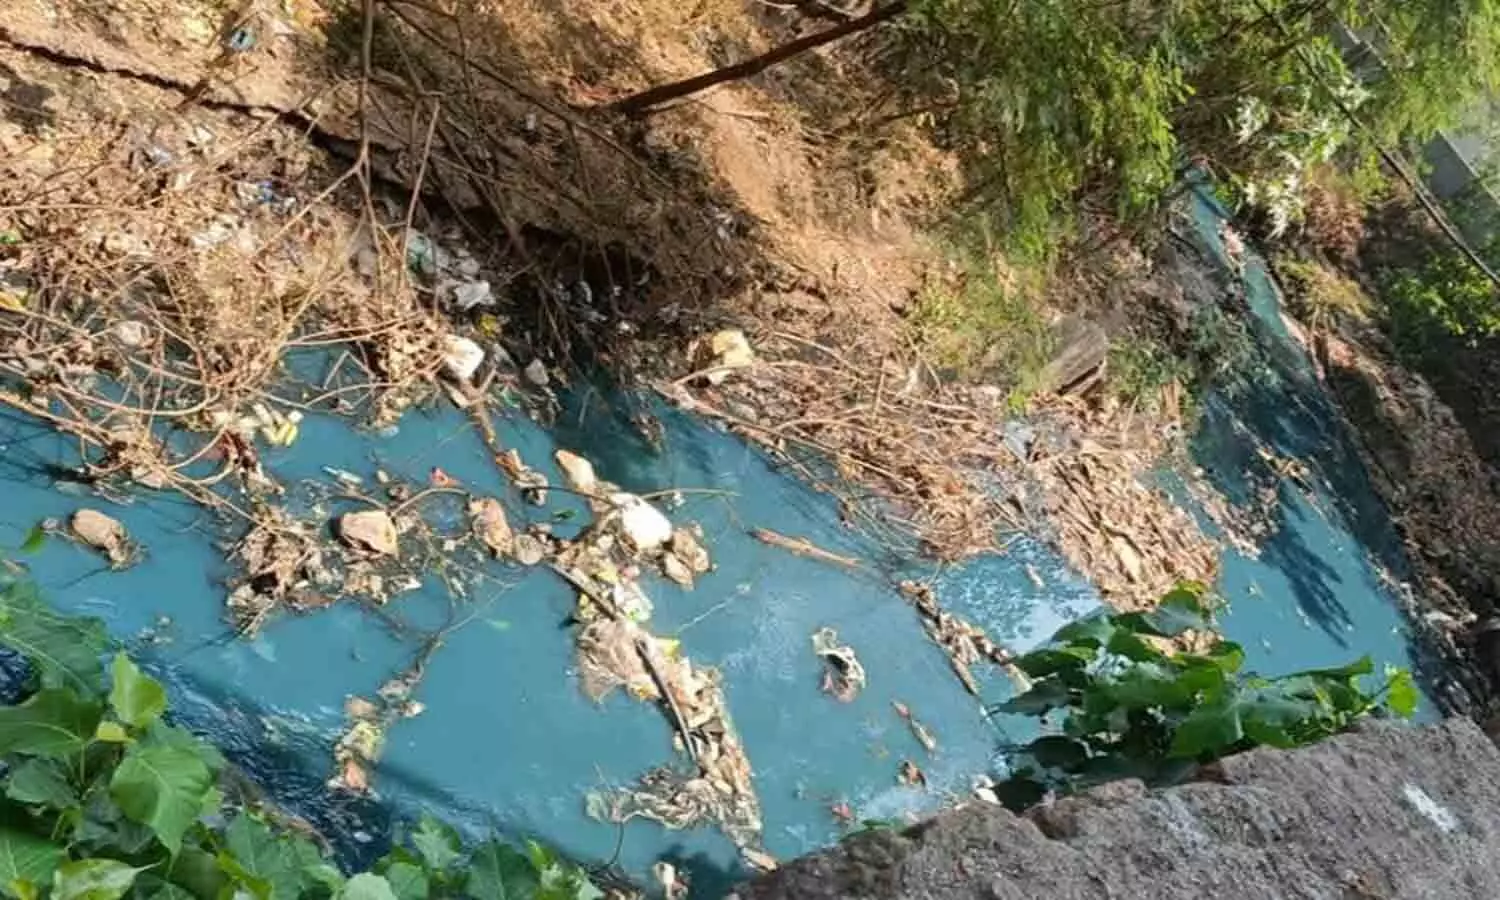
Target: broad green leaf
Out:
[170,891]
[1178,612]
[92,879]
[137,698]
[264,862]
[437,842]
[197,871]
[1209,730]
[1091,631]
[1147,685]
[26,857]
[41,782]
[245,881]
[367,886]
[407,881]
[162,787]
[324,875]
[104,830]
[1402,694]
[36,538]
[160,734]
[53,722]
[1362,666]
[1133,647]
[1271,717]
[64,649]
[111,732]
[500,872]
[23,889]
[1046,695]
[1041,663]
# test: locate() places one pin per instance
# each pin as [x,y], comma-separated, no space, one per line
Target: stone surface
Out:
[1390,812]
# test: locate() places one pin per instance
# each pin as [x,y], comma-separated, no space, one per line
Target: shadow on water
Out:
[1332,547]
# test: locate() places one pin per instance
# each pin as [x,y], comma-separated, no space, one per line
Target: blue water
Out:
[510,744]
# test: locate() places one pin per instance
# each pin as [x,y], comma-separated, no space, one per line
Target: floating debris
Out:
[674,885]
[487,518]
[911,774]
[918,730]
[645,526]
[578,471]
[105,535]
[360,746]
[802,547]
[283,562]
[965,643]
[370,530]
[843,675]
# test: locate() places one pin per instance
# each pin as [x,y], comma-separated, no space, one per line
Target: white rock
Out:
[461,357]
[731,350]
[536,373]
[579,471]
[371,529]
[645,525]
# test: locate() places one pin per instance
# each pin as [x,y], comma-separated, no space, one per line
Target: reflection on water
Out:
[510,744]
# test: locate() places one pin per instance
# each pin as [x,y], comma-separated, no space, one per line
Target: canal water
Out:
[509,743]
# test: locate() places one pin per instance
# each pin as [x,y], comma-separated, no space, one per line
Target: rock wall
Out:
[1390,812]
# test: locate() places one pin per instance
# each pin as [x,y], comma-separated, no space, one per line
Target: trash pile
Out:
[616,650]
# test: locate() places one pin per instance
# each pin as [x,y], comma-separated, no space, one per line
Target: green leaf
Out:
[1362,666]
[367,886]
[162,787]
[1041,663]
[437,842]
[53,722]
[104,830]
[1133,647]
[25,857]
[1209,730]
[1401,693]
[407,881]
[1044,696]
[111,732]
[138,699]
[500,872]
[36,538]
[1179,611]
[198,872]
[64,649]
[160,734]
[267,865]
[170,891]
[1090,631]
[41,782]
[93,879]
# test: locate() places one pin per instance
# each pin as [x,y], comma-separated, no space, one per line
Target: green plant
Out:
[104,798]
[1132,706]
[1441,296]
[1322,297]
[1141,370]
[981,326]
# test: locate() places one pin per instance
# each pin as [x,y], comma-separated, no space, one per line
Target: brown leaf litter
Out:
[965,643]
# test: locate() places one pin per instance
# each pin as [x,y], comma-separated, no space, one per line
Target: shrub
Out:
[1130,705]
